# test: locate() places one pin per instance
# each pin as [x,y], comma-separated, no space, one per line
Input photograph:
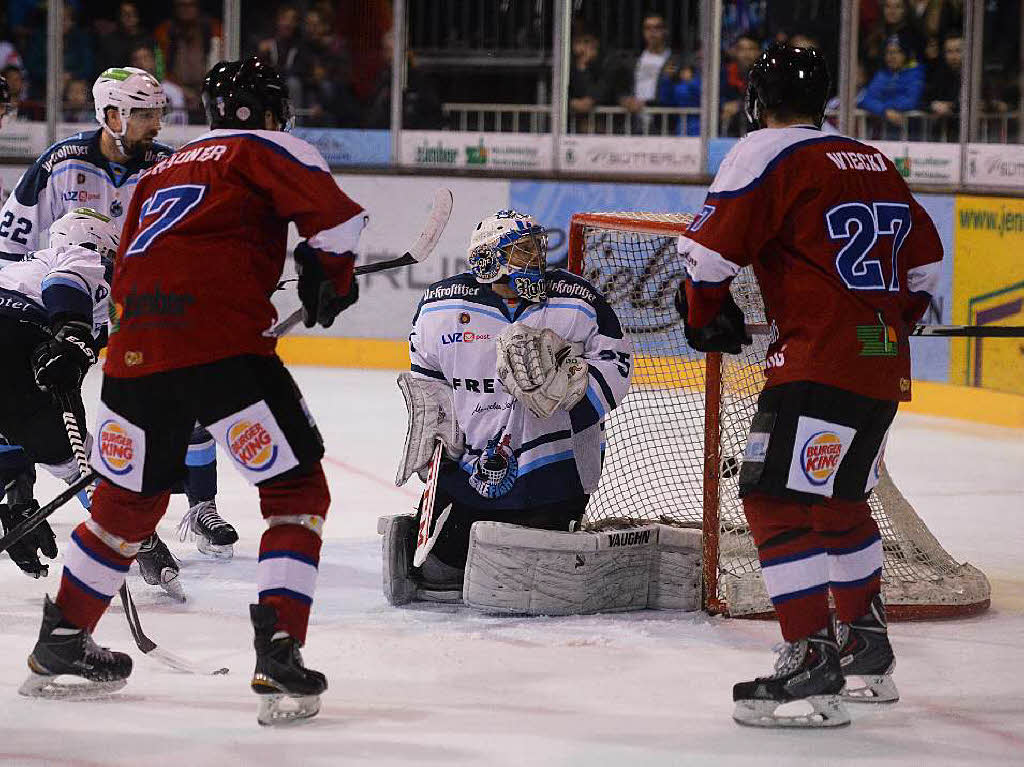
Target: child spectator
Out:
[144,57]
[744,53]
[680,86]
[78,102]
[588,80]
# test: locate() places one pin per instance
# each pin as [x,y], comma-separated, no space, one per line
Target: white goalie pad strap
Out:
[312,522]
[541,369]
[512,569]
[431,407]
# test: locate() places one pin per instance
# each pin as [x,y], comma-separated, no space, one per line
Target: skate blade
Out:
[877,688]
[169,582]
[826,711]
[222,551]
[47,686]
[279,709]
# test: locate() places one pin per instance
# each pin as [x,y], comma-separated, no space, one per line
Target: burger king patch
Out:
[818,451]
[254,440]
[119,450]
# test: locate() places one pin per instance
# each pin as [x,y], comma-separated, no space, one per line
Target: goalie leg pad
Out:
[519,570]
[399,540]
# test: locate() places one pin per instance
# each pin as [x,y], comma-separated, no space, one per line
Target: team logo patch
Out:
[116,447]
[496,469]
[251,445]
[463,318]
[820,456]
[116,209]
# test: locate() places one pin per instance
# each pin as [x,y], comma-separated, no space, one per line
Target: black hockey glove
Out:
[726,332]
[40,540]
[327,284]
[61,362]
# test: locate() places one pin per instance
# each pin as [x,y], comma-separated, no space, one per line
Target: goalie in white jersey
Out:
[513,368]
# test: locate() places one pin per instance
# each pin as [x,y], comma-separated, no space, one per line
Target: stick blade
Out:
[440,212]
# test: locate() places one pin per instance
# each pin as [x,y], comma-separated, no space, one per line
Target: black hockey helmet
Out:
[788,81]
[237,93]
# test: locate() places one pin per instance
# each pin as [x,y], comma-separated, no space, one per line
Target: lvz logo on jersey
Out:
[78,195]
[463,337]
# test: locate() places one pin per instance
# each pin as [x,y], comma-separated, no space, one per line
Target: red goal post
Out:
[675,443]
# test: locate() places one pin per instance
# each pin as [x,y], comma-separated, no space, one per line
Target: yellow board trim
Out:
[964,402]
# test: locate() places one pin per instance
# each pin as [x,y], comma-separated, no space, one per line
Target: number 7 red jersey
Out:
[204,244]
[845,256]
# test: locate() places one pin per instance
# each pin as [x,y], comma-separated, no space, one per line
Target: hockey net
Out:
[675,444]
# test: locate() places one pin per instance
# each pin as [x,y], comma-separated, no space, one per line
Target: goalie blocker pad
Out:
[521,570]
[431,409]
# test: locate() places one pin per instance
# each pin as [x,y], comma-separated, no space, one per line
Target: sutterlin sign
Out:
[632,155]
[995,165]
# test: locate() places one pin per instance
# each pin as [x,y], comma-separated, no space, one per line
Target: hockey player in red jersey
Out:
[205,238]
[846,260]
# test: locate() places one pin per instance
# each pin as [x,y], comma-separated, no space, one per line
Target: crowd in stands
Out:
[336,56]
[179,40]
[910,59]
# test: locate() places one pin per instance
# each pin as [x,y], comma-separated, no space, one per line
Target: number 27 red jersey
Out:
[846,258]
[204,244]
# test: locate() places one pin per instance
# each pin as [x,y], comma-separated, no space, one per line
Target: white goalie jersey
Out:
[512,458]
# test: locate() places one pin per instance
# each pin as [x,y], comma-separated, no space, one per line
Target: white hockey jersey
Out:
[72,173]
[65,281]
[514,460]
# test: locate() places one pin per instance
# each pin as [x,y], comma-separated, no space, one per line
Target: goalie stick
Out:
[935,331]
[419,251]
[429,529]
[74,416]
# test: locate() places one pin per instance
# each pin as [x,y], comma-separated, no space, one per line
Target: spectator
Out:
[9,55]
[679,86]
[647,68]
[897,21]
[79,54]
[588,80]
[77,102]
[143,56]
[937,18]
[421,106]
[942,90]
[21,107]
[744,53]
[895,89]
[286,50]
[190,44]
[115,48]
[327,90]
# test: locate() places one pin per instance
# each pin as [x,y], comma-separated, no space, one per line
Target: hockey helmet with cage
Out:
[789,82]
[125,89]
[513,245]
[238,93]
[87,228]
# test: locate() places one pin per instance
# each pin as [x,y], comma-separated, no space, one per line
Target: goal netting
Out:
[675,444]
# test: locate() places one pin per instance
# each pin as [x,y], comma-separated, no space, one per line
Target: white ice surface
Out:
[445,686]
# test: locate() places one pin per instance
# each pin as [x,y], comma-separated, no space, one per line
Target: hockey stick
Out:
[74,420]
[429,529]
[29,524]
[935,331]
[419,251]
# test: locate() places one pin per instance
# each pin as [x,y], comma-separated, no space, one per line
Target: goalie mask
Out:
[513,246]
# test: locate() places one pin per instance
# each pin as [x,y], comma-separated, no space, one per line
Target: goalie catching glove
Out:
[540,369]
[431,409]
[727,331]
[327,284]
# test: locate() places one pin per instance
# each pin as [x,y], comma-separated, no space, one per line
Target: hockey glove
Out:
[539,368]
[40,540]
[726,332]
[61,362]
[327,285]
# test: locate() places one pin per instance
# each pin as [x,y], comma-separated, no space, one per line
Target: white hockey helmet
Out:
[510,244]
[86,228]
[125,89]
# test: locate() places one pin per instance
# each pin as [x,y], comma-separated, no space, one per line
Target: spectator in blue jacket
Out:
[679,86]
[897,87]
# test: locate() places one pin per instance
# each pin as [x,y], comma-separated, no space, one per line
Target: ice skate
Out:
[63,649]
[215,536]
[866,655]
[289,692]
[159,567]
[806,672]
